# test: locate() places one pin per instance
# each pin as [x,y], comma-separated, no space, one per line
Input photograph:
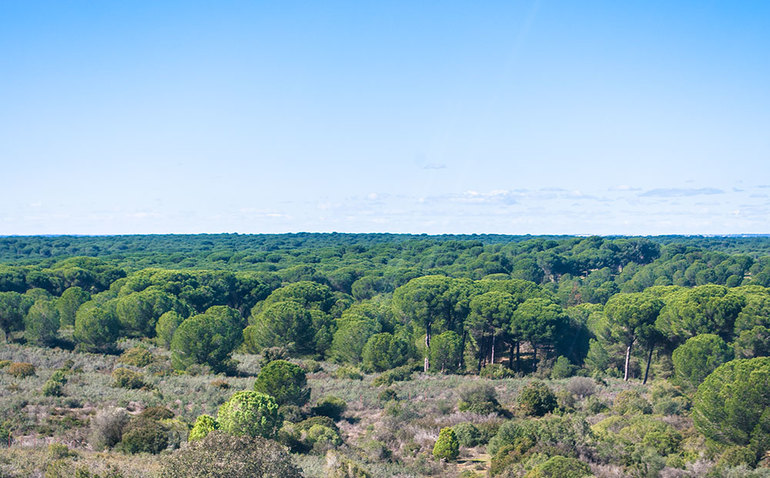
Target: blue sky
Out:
[521,117]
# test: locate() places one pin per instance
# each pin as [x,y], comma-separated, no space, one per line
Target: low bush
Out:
[560,467]
[468,435]
[563,368]
[495,371]
[219,455]
[581,387]
[204,425]
[250,413]
[142,435]
[157,413]
[478,398]
[137,357]
[20,369]
[125,378]
[536,399]
[330,406]
[630,402]
[107,428]
[349,372]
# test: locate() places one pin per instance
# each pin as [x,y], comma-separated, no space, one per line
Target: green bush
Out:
[339,467]
[447,447]
[207,339]
[57,451]
[157,413]
[398,374]
[204,425]
[560,467]
[478,398]
[250,413]
[141,435]
[468,435]
[563,368]
[321,438]
[5,434]
[20,369]
[166,326]
[52,389]
[285,381]
[495,371]
[387,395]
[630,402]
[219,455]
[125,378]
[349,372]
[537,399]
[698,357]
[137,357]
[96,327]
[330,406]
[42,323]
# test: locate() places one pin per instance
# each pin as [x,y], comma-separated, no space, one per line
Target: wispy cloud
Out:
[680,192]
[435,166]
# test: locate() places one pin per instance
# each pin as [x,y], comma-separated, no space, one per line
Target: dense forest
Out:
[353,355]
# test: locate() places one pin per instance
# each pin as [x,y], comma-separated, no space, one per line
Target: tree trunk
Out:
[510,357]
[461,364]
[647,368]
[493,349]
[518,356]
[628,359]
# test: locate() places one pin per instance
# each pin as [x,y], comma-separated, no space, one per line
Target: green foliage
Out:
[631,402]
[731,405]
[219,455]
[330,406]
[127,378]
[468,435]
[13,309]
[69,302]
[250,413]
[399,374]
[207,339]
[321,438]
[20,369]
[496,371]
[282,324]
[5,434]
[107,428]
[285,381]
[142,435]
[560,467]
[338,467]
[96,326]
[157,413]
[447,447]
[352,373]
[446,352]
[42,323]
[698,357]
[384,351]
[52,388]
[353,331]
[563,368]
[166,326]
[478,398]
[536,399]
[204,425]
[706,309]
[136,357]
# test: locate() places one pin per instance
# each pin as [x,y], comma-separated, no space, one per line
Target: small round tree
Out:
[698,357]
[537,399]
[285,381]
[250,413]
[204,425]
[447,447]
[96,326]
[384,352]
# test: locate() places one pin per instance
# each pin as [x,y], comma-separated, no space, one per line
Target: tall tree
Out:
[631,316]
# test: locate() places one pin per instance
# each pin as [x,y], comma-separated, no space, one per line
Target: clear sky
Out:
[521,117]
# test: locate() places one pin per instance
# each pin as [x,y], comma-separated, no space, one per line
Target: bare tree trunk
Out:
[427,348]
[628,359]
[493,349]
[510,357]
[518,356]
[647,368]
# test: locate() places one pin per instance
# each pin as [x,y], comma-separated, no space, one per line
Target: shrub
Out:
[468,435]
[330,406]
[219,455]
[285,381]
[349,372]
[96,327]
[495,371]
[204,425]
[478,398]
[387,395]
[292,413]
[698,357]
[630,402]
[5,434]
[322,438]
[137,357]
[157,413]
[20,369]
[220,384]
[57,451]
[125,378]
[581,387]
[250,413]
[311,366]
[560,467]
[537,399]
[563,368]
[270,354]
[107,428]
[144,436]
[52,389]
[398,374]
[338,467]
[166,326]
[207,339]
[447,447]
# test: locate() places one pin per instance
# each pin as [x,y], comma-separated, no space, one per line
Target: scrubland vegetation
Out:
[379,355]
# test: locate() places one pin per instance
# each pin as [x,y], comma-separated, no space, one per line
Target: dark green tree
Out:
[446,352]
[96,326]
[69,302]
[630,317]
[42,323]
[384,351]
[284,381]
[282,324]
[207,339]
[698,357]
